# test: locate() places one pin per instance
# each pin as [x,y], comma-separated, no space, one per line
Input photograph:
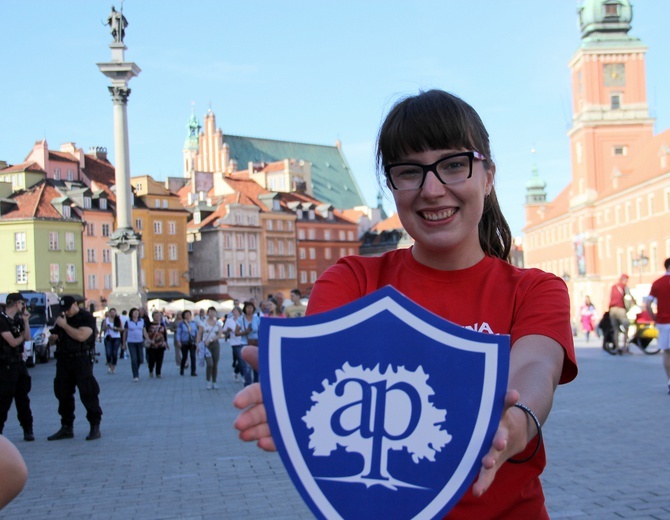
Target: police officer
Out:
[74,335]
[15,382]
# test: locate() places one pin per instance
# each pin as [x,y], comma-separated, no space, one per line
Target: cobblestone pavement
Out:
[168,449]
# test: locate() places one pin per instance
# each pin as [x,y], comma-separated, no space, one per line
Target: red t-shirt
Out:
[660,290]
[492,296]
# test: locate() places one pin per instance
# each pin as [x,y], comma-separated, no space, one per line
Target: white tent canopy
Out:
[181,305]
[157,304]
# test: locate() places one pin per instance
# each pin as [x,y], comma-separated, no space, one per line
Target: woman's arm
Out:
[536,363]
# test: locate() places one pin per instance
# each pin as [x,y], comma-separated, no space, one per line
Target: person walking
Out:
[112,330]
[434,154]
[15,382]
[586,314]
[620,301]
[74,336]
[660,293]
[134,336]
[247,330]
[208,338]
[158,344]
[235,342]
[185,339]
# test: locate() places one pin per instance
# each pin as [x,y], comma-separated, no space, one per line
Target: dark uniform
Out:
[74,368]
[15,382]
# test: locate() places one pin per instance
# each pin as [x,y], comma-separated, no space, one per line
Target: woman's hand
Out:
[252,422]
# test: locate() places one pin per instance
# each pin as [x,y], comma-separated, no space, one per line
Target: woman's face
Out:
[211,313]
[187,316]
[272,307]
[248,310]
[135,315]
[112,313]
[443,219]
[156,316]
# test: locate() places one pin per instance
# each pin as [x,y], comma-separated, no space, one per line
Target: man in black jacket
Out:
[15,381]
[74,335]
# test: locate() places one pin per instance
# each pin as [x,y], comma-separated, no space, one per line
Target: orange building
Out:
[614,216]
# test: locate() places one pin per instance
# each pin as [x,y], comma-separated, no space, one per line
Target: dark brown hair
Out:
[437,120]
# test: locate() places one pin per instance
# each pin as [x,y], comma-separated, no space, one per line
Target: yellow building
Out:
[161,219]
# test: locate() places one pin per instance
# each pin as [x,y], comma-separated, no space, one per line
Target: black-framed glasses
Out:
[451,169]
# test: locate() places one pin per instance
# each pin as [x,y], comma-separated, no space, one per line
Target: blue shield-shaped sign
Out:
[381,409]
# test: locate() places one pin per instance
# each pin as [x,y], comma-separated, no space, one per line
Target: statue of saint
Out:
[118,23]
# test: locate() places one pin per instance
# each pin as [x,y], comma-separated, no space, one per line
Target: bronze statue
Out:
[118,24]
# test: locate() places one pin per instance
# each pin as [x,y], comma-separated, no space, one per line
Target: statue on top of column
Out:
[118,23]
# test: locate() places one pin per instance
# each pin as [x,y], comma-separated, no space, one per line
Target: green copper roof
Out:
[332,179]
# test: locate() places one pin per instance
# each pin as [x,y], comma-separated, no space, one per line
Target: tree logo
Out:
[381,409]
[370,413]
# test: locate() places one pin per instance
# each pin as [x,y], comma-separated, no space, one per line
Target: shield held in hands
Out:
[381,409]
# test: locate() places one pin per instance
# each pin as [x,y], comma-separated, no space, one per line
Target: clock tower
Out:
[610,112]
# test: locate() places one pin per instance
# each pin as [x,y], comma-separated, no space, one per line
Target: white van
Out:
[44,308]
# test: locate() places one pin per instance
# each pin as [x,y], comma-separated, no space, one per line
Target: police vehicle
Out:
[44,308]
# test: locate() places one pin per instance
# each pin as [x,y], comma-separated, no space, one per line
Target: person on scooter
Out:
[620,301]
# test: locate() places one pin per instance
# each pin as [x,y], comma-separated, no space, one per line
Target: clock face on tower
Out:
[614,74]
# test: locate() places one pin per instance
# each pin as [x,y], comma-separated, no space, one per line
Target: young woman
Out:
[273,310]
[247,330]
[112,329]
[134,336]
[208,337]
[235,341]
[587,314]
[158,343]
[433,151]
[185,339]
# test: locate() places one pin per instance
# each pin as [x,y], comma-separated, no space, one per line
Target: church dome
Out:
[605,16]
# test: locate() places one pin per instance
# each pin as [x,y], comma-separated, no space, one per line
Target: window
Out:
[141,250]
[165,203]
[67,213]
[227,241]
[57,174]
[158,251]
[107,256]
[303,276]
[312,253]
[70,273]
[280,225]
[271,272]
[174,277]
[70,175]
[138,223]
[311,234]
[90,229]
[242,270]
[239,240]
[342,234]
[21,274]
[343,252]
[301,253]
[87,202]
[326,234]
[289,225]
[301,234]
[615,101]
[105,230]
[271,246]
[92,281]
[90,255]
[327,253]
[189,247]
[312,276]
[253,270]
[268,225]
[291,248]
[196,217]
[69,241]
[54,273]
[103,203]
[291,271]
[252,242]
[172,227]
[280,247]
[619,150]
[157,203]
[159,277]
[611,10]
[282,271]
[20,241]
[158,227]
[108,281]
[229,271]
[350,236]
[172,251]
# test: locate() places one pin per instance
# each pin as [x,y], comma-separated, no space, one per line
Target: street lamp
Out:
[640,263]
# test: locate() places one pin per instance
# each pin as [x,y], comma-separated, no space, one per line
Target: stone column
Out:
[124,240]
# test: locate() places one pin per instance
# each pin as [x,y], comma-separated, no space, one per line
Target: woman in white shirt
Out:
[112,328]
[235,341]
[209,332]
[134,336]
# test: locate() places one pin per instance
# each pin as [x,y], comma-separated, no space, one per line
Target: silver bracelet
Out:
[539,434]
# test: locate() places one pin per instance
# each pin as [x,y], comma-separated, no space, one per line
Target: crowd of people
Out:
[201,336]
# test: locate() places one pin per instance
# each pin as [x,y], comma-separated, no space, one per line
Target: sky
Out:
[307,71]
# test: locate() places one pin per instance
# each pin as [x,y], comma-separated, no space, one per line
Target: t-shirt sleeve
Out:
[4,325]
[337,286]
